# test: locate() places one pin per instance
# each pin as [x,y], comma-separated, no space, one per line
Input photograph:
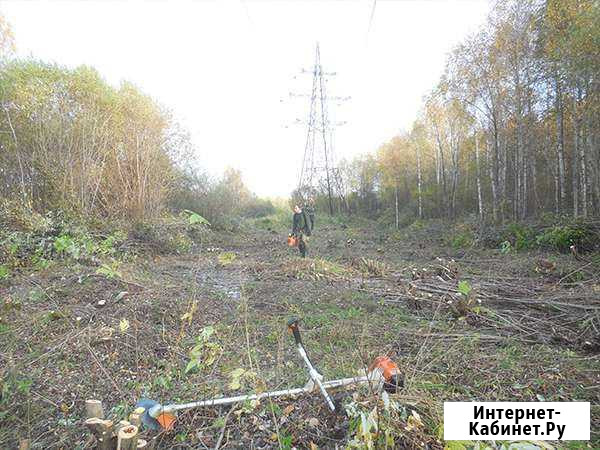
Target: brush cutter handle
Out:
[314,375]
[295,330]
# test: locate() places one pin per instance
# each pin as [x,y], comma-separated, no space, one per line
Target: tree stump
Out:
[136,416]
[122,424]
[103,431]
[127,438]
[93,408]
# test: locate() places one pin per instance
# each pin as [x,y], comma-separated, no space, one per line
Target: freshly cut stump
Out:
[93,408]
[103,431]
[128,438]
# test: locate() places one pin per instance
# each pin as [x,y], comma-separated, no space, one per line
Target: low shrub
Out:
[280,220]
[29,239]
[167,236]
[562,237]
[257,207]
[461,236]
[521,237]
[558,237]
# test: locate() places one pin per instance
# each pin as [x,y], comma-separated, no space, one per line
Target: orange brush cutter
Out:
[383,371]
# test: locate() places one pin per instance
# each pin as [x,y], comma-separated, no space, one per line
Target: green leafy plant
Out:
[379,427]
[13,385]
[462,237]
[163,381]
[520,236]
[464,288]
[65,245]
[205,352]
[179,243]
[40,263]
[459,445]
[466,302]
[562,237]
[107,246]
[195,218]
[239,375]
[4,271]
[36,295]
[506,247]
[226,258]
[286,441]
[110,271]
[14,243]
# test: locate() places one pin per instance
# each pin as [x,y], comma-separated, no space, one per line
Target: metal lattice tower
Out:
[318,164]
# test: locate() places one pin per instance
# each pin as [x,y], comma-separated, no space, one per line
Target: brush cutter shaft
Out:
[237,399]
[315,376]
[283,393]
[333,384]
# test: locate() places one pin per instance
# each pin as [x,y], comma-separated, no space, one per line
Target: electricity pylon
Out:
[318,163]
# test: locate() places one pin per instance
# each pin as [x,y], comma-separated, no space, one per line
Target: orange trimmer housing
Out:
[393,378]
[166,420]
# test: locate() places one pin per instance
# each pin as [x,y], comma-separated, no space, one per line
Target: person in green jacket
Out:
[309,209]
[300,228]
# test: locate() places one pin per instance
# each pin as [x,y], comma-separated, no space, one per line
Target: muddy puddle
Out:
[224,282]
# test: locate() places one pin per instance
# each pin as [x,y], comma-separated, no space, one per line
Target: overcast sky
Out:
[224,66]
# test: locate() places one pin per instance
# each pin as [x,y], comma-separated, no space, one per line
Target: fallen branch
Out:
[223,429]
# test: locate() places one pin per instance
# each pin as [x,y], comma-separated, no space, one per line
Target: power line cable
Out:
[371,18]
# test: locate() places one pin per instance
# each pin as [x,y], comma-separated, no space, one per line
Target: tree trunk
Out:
[556,190]
[560,144]
[478,177]
[494,180]
[396,203]
[502,177]
[442,176]
[575,163]
[517,169]
[534,181]
[594,160]
[18,153]
[580,152]
[524,187]
[455,148]
[420,199]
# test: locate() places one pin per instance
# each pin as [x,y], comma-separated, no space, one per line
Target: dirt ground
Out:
[526,331]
